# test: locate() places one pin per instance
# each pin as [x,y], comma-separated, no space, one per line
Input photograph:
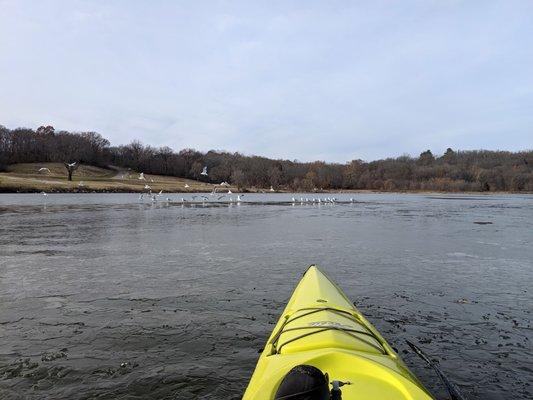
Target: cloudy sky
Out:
[329,80]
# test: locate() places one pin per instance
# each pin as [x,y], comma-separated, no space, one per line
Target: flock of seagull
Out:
[154,197]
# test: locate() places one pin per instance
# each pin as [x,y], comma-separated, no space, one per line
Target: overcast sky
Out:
[329,80]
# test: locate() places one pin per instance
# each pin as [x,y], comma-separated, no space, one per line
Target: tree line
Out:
[456,171]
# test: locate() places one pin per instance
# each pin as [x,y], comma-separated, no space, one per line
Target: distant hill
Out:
[52,177]
[454,171]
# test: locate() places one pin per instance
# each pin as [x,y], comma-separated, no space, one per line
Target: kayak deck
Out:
[321,327]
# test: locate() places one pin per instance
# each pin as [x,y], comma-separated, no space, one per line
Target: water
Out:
[104,297]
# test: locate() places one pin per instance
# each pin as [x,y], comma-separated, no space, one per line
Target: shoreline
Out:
[25,178]
[7,190]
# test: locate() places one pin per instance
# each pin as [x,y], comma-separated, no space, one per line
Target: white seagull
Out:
[44,169]
[141,176]
[204,172]
[186,186]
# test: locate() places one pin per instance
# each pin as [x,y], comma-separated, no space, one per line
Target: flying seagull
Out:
[71,165]
[141,176]
[204,172]
[43,169]
[186,186]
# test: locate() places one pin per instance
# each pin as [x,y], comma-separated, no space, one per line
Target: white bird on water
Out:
[204,171]
[44,193]
[239,197]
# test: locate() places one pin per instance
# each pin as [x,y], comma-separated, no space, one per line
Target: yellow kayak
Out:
[321,329]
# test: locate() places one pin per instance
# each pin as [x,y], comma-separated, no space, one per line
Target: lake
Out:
[106,296]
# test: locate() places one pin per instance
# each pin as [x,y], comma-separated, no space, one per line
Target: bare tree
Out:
[71,167]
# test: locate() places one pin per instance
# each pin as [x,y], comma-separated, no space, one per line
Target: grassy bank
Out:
[26,178]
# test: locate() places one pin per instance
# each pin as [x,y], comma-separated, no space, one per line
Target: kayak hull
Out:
[321,327]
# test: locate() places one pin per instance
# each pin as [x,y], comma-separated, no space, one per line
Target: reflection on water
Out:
[104,296]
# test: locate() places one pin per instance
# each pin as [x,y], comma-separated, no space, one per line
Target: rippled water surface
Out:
[105,297]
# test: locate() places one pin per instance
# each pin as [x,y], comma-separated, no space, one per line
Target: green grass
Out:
[27,178]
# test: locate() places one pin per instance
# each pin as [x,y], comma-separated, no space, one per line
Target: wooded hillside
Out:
[479,170]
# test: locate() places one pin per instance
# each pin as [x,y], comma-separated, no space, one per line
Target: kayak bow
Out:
[320,327]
